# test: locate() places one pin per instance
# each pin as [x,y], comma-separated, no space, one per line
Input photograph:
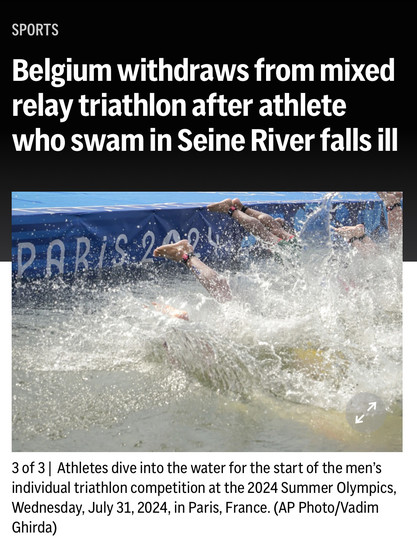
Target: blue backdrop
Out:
[69,232]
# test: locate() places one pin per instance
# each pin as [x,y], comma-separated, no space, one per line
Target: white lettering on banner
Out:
[172,235]
[82,260]
[55,262]
[122,252]
[216,243]
[102,250]
[151,235]
[60,257]
[22,267]
[197,237]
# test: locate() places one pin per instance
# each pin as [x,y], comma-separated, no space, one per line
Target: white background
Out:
[391,529]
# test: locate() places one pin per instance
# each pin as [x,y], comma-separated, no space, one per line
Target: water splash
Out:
[297,341]
[315,233]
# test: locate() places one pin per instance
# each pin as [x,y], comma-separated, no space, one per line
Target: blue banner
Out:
[52,240]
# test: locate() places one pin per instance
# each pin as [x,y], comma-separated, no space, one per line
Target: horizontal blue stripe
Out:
[50,202]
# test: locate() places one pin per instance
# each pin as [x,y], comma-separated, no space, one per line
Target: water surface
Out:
[97,368]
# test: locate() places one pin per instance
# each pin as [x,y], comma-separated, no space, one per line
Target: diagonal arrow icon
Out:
[365,412]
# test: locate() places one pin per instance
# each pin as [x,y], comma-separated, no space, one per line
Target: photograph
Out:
[207,321]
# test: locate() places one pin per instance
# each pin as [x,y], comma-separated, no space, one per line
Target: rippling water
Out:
[96,367]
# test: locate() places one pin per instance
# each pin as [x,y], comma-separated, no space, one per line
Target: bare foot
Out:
[350,232]
[220,207]
[173,251]
[237,203]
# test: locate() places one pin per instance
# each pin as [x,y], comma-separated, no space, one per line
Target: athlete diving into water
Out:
[272,232]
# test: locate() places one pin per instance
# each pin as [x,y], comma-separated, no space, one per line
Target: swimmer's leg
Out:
[274,225]
[356,236]
[182,251]
[392,202]
[250,224]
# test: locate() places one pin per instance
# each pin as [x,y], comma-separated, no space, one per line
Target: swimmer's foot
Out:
[220,207]
[173,251]
[351,232]
[237,203]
